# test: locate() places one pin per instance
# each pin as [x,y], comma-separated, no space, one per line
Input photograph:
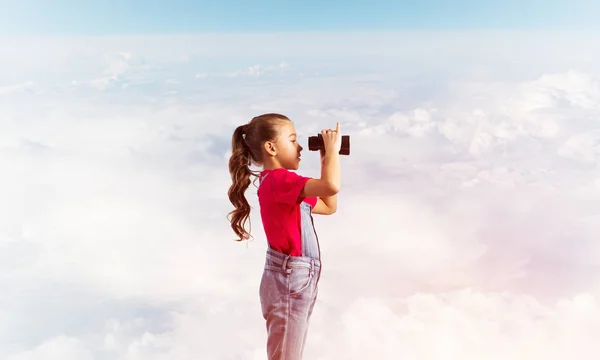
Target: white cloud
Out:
[463,325]
[9,89]
[583,148]
[577,88]
[254,71]
[121,69]
[471,186]
[59,348]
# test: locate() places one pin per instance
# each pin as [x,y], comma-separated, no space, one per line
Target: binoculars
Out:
[315,143]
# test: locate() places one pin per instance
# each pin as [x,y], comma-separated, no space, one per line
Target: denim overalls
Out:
[288,291]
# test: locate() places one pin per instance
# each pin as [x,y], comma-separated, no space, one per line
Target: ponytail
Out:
[239,169]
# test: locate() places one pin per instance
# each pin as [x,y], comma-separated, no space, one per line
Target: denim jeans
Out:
[288,291]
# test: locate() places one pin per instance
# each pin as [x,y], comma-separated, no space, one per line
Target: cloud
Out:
[62,347]
[471,189]
[19,88]
[462,325]
[253,71]
[574,88]
[583,148]
[122,69]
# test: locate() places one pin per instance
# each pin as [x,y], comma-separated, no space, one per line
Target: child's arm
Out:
[329,183]
[326,205]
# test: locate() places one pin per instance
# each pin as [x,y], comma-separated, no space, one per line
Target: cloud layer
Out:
[472,187]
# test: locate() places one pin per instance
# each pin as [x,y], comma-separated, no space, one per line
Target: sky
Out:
[472,187]
[185,16]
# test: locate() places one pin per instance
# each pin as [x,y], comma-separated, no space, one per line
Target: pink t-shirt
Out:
[279,199]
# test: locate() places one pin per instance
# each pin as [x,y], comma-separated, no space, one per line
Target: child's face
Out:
[288,148]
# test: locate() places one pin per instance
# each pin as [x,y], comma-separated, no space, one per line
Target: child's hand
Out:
[332,139]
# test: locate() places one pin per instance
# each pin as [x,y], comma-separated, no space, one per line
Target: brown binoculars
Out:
[315,143]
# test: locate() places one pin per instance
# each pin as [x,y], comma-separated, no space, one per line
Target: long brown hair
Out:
[247,148]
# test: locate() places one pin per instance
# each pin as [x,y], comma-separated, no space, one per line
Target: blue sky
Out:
[177,16]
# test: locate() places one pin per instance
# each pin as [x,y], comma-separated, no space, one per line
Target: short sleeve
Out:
[286,186]
[312,201]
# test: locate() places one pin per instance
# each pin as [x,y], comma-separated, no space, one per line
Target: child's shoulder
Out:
[280,173]
[284,184]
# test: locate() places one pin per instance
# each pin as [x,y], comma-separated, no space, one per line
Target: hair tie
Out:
[244,128]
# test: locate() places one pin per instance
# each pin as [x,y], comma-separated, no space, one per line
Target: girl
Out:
[288,287]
